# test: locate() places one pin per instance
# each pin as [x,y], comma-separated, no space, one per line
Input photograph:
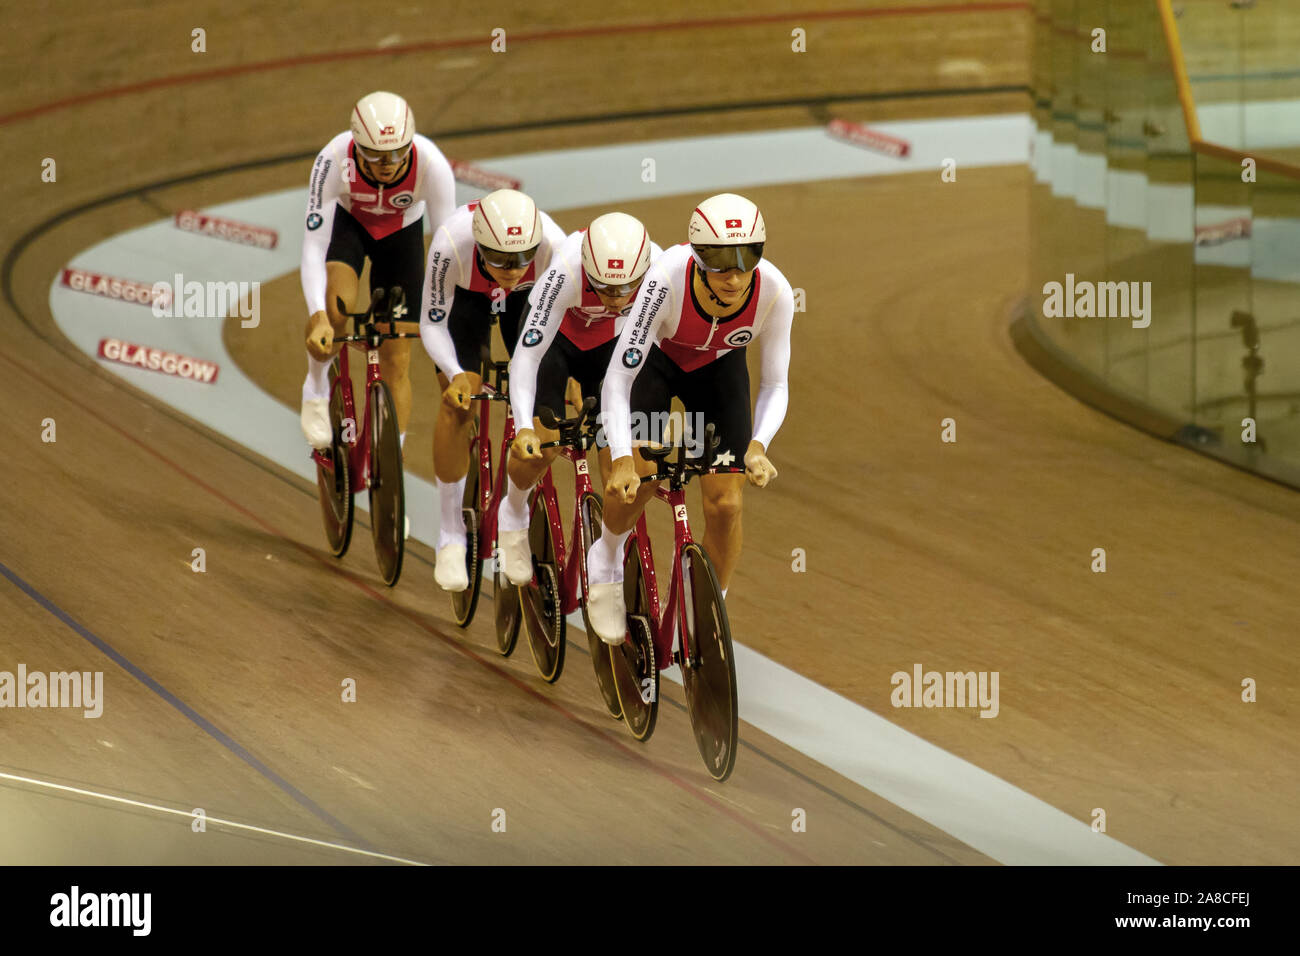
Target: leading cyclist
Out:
[699,307]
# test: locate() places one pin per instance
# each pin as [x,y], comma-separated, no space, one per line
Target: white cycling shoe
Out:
[450,571]
[607,612]
[316,423]
[516,556]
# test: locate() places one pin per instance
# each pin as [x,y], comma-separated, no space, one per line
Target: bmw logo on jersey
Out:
[632,358]
[314,221]
[532,337]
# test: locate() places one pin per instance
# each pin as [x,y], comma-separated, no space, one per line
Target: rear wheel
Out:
[540,599]
[464,603]
[333,481]
[634,668]
[709,676]
[387,492]
[592,513]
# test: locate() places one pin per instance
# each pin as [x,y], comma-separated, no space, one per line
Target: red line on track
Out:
[606,736]
[430,46]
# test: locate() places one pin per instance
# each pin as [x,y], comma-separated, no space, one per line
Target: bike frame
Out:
[670,619]
[573,583]
[359,447]
[491,489]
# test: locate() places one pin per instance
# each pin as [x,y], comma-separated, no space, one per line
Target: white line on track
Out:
[209,819]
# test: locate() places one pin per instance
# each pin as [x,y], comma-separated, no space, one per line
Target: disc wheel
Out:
[508,611]
[334,481]
[540,599]
[464,603]
[387,492]
[601,661]
[709,676]
[633,664]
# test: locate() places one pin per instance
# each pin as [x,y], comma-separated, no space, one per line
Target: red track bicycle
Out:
[559,584]
[373,458]
[694,612]
[483,495]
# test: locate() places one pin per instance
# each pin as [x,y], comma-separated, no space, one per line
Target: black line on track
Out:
[817,106]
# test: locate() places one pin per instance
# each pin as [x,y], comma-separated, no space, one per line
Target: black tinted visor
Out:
[507,260]
[725,258]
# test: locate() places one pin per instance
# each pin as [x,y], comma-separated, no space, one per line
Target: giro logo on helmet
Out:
[532,337]
[314,221]
[632,358]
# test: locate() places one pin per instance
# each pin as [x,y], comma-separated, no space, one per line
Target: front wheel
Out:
[540,599]
[709,673]
[387,491]
[464,603]
[333,480]
[633,665]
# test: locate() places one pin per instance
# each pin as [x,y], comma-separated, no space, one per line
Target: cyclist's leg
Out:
[470,329]
[719,393]
[343,262]
[399,260]
[552,373]
[651,395]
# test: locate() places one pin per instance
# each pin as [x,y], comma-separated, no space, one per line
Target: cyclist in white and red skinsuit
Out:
[576,312]
[700,305]
[370,190]
[482,263]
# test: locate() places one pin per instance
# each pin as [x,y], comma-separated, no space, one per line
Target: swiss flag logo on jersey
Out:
[615,264]
[733,224]
[514,230]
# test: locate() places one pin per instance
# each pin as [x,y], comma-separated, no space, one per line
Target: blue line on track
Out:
[200,721]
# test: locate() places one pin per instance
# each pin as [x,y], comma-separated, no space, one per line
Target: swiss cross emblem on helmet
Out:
[514,230]
[733,224]
[615,264]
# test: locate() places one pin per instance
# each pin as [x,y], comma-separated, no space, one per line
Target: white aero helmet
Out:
[615,253]
[727,232]
[507,228]
[382,122]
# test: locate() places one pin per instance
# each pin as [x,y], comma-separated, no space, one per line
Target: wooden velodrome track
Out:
[1119,691]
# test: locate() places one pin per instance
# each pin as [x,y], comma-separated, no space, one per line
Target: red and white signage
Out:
[158,360]
[188,220]
[862,135]
[93,283]
[475,176]
[1219,232]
